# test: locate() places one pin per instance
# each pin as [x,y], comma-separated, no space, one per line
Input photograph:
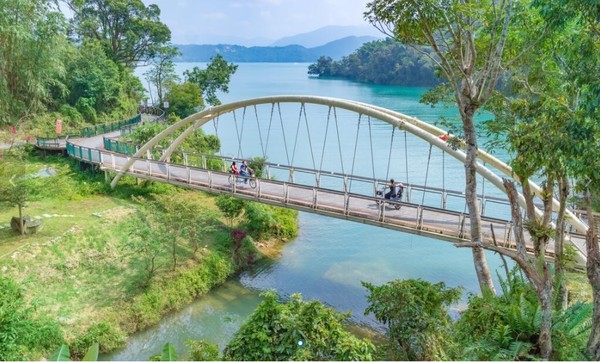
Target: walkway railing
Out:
[414,218]
[59,142]
[446,199]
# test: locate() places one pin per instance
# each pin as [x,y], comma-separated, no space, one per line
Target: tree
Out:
[129,31]
[163,70]
[184,99]
[214,78]
[33,38]
[550,123]
[230,207]
[296,330]
[415,313]
[14,189]
[469,40]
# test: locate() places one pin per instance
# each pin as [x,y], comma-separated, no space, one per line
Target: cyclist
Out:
[234,169]
[245,170]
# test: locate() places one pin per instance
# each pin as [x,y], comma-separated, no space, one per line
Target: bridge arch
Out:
[416,127]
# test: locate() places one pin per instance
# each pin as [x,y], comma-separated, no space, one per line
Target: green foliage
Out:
[506,327]
[270,221]
[230,206]
[107,335]
[178,290]
[203,351]
[162,70]
[63,354]
[297,330]
[168,353]
[94,81]
[380,62]
[129,31]
[214,78]
[415,313]
[257,164]
[23,336]
[184,99]
[33,38]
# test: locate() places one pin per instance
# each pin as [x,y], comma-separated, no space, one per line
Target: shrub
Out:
[107,335]
[297,330]
[203,351]
[269,221]
[23,336]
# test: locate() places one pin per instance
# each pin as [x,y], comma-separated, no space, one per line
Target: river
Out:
[330,257]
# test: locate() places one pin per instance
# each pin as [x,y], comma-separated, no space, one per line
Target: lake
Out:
[330,257]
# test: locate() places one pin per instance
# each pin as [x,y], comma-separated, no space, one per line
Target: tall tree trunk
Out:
[545,296]
[481,267]
[559,241]
[593,273]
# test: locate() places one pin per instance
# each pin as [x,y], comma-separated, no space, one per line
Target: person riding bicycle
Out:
[392,192]
[233,168]
[246,170]
[396,190]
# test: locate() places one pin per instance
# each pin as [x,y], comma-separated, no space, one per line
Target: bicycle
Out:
[241,178]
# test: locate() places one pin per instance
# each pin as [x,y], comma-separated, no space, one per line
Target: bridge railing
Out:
[412,217]
[443,198]
[60,141]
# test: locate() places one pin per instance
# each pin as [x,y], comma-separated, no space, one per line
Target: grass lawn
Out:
[76,268]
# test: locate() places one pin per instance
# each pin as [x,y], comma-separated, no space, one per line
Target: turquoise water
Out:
[330,257]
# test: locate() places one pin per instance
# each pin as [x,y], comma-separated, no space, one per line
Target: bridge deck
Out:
[412,218]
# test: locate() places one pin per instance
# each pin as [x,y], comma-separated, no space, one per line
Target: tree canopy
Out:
[381,62]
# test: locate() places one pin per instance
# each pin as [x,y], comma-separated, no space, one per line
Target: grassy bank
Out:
[81,269]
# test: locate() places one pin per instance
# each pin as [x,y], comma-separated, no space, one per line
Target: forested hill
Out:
[380,62]
[291,53]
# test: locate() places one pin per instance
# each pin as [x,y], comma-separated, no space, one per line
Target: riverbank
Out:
[82,269]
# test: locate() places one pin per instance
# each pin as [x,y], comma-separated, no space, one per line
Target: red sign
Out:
[59,126]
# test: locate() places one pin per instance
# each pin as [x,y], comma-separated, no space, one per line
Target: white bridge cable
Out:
[269,129]
[309,139]
[406,156]
[355,146]
[237,131]
[297,132]
[262,147]
[337,129]
[325,138]
[387,174]
[371,142]
[287,155]
[426,174]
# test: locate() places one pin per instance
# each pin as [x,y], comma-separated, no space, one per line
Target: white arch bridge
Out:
[329,156]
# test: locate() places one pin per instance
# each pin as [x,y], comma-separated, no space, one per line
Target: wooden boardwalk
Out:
[413,218]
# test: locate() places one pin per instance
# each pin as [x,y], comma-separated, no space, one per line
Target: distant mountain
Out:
[328,34]
[291,53]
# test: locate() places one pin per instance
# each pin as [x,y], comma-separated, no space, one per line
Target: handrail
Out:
[351,206]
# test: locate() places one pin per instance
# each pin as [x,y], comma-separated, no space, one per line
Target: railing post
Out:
[408,193]
[346,203]
[444,200]
[286,190]
[346,183]
[149,166]
[112,160]
[185,158]
[318,178]
[314,203]
[148,154]
[461,221]
[168,171]
[203,162]
[483,202]
[292,180]
[210,179]
[189,175]
[420,217]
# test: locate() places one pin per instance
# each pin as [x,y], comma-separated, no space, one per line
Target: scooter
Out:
[395,197]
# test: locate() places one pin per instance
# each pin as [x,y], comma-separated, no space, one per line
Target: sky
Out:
[261,21]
